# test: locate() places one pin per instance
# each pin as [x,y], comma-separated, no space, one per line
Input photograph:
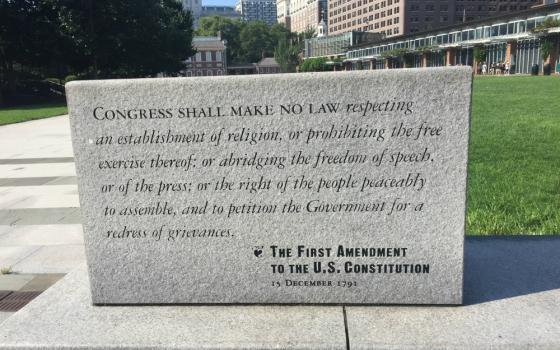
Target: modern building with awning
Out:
[515,40]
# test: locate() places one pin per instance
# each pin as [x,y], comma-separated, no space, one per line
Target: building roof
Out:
[268,62]
[241,65]
[208,43]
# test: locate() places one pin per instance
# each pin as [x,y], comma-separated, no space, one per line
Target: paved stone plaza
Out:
[40,232]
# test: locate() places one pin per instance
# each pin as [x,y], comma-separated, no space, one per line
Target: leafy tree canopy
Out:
[98,38]
[247,42]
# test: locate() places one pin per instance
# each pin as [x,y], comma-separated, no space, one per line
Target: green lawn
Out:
[514,168]
[25,113]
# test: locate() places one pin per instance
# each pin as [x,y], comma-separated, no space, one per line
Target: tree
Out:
[314,65]
[480,53]
[280,33]
[247,41]
[93,38]
[256,41]
[286,54]
[120,38]
[229,30]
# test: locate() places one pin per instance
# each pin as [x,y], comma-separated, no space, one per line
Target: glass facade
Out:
[335,45]
[528,54]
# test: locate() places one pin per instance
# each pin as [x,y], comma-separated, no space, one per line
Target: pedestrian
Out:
[484,68]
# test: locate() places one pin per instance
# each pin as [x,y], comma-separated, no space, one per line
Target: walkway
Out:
[40,232]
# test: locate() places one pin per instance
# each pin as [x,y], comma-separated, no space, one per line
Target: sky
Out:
[218,2]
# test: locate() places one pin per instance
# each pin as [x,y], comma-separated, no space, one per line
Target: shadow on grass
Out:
[506,267]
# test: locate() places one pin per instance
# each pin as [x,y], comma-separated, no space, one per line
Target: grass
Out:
[514,167]
[25,113]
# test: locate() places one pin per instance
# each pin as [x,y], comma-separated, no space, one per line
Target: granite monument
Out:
[345,187]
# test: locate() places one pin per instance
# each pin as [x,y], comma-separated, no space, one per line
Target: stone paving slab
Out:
[4,316]
[37,160]
[512,296]
[14,281]
[40,216]
[9,256]
[50,136]
[32,170]
[5,229]
[39,181]
[41,235]
[28,282]
[41,282]
[512,289]
[63,317]
[58,196]
[52,259]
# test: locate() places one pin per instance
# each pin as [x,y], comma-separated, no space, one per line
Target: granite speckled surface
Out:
[227,269]
[63,317]
[512,301]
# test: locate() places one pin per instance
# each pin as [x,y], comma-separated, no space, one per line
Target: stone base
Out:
[512,295]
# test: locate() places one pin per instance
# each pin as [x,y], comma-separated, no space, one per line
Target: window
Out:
[208,56]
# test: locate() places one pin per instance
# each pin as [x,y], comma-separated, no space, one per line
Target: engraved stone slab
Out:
[343,187]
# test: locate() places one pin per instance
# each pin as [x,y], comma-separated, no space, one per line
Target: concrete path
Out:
[40,226]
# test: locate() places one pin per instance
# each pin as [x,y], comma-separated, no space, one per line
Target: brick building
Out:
[210,58]
[301,15]
[399,17]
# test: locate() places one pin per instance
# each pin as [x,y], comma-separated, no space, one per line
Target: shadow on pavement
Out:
[499,268]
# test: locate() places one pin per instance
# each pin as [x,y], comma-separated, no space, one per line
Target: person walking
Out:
[484,68]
